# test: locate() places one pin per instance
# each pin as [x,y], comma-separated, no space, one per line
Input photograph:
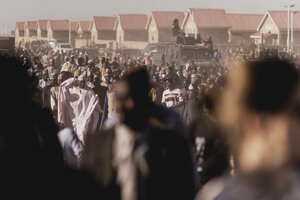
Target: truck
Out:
[7,45]
[180,51]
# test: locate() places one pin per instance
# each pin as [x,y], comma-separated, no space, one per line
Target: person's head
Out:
[51,63]
[81,81]
[45,75]
[201,89]
[72,59]
[154,79]
[96,80]
[255,107]
[179,73]
[91,64]
[53,79]
[170,83]
[107,77]
[192,94]
[60,79]
[132,99]
[194,79]
[80,61]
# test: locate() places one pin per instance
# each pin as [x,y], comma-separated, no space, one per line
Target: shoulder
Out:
[212,189]
[177,90]
[167,91]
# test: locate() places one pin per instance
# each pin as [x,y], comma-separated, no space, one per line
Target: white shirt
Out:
[172,98]
[43,84]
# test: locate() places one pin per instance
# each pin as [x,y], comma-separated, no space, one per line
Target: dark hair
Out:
[139,83]
[272,85]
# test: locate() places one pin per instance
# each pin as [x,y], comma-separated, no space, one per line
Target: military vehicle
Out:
[182,50]
[7,45]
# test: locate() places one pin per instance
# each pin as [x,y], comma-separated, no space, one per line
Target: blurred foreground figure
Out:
[140,157]
[30,154]
[256,111]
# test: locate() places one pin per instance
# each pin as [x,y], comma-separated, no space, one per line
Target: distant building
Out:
[102,31]
[159,25]
[42,31]
[242,27]
[58,30]
[30,32]
[272,30]
[130,31]
[207,22]
[19,34]
[83,34]
[73,33]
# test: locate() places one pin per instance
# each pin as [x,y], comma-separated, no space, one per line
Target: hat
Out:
[193,76]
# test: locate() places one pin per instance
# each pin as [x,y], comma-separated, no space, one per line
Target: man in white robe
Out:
[78,107]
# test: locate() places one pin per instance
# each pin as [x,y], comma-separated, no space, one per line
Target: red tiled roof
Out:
[59,25]
[164,19]
[84,25]
[133,21]
[42,24]
[104,23]
[244,22]
[20,25]
[31,25]
[280,18]
[210,18]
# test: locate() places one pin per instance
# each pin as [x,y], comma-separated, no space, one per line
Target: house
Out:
[83,34]
[159,25]
[272,30]
[58,30]
[131,32]
[73,32]
[207,22]
[242,27]
[19,34]
[102,31]
[41,28]
[30,32]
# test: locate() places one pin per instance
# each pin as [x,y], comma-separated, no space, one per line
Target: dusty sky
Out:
[23,10]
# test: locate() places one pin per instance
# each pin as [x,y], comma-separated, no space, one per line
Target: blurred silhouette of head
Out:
[256,106]
[132,98]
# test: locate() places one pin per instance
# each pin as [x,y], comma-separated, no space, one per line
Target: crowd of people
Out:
[121,128]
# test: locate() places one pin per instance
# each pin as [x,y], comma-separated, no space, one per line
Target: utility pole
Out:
[288,41]
[292,32]
[70,32]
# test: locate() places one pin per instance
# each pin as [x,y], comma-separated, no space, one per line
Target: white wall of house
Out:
[190,27]
[50,34]
[82,39]
[19,38]
[152,31]
[120,35]
[41,35]
[269,27]
[94,34]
